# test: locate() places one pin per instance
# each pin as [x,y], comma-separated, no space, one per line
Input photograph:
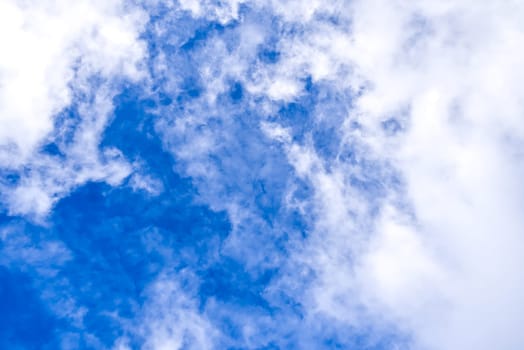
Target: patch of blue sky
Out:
[26,323]
[110,216]
[30,258]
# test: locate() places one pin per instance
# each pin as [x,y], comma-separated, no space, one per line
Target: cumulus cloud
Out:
[460,159]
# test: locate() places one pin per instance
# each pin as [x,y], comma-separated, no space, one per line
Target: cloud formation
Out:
[431,113]
[445,76]
[277,174]
[60,65]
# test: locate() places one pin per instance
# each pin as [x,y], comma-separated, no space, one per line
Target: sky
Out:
[261,174]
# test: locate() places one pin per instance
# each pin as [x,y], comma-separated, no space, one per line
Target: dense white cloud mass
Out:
[57,55]
[453,68]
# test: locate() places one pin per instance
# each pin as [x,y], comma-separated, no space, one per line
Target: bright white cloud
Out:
[57,54]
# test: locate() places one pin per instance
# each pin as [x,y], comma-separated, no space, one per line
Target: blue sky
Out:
[242,174]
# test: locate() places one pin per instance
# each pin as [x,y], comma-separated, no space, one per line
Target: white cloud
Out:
[53,52]
[448,269]
[221,11]
[145,183]
[170,318]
